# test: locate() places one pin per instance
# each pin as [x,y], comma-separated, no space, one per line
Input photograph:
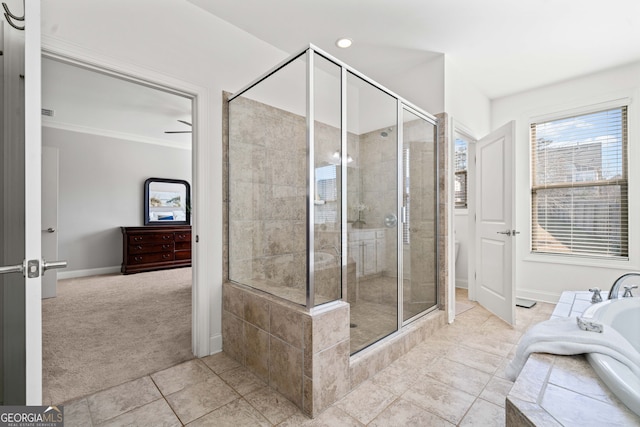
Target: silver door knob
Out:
[50,230]
[50,265]
[508,232]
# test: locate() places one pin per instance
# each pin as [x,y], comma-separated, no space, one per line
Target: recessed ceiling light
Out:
[344,42]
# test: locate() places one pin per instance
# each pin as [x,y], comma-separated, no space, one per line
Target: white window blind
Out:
[579,192]
[460,171]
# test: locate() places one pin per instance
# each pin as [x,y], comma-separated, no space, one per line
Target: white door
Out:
[21,355]
[494,223]
[49,228]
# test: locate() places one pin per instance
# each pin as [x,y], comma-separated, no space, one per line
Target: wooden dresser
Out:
[155,248]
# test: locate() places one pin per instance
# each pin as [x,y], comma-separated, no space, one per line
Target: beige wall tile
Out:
[287,324]
[233,300]
[331,327]
[330,375]
[285,374]
[233,337]
[257,357]
[257,311]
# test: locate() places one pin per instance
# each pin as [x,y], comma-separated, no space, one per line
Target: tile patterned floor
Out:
[455,378]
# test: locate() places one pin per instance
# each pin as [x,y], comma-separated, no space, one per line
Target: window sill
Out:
[573,260]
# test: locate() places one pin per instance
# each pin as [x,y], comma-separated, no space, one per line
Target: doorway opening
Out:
[110,132]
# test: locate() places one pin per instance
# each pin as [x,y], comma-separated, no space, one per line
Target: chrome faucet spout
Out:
[335,248]
[615,288]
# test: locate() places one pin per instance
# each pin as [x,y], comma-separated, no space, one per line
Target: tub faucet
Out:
[615,288]
[627,291]
[335,248]
[596,297]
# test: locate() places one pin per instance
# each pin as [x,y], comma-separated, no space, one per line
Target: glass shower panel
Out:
[327,183]
[268,185]
[419,226]
[372,206]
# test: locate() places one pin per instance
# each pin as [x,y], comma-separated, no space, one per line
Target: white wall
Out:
[470,112]
[101,188]
[461,227]
[469,108]
[422,85]
[543,277]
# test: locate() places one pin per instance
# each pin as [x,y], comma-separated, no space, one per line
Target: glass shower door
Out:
[372,196]
[419,199]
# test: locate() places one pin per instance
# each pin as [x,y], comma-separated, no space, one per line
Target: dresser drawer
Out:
[144,248]
[182,255]
[183,237]
[148,238]
[149,258]
[183,246]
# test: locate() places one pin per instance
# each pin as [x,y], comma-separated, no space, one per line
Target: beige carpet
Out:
[102,331]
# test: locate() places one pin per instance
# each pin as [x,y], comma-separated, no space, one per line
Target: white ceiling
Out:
[88,101]
[501,46]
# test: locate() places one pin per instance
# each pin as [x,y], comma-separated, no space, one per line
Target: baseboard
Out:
[88,272]
[462,283]
[537,295]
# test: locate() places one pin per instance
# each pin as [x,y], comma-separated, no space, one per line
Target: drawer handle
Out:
[138,258]
[166,246]
[139,247]
[137,238]
[165,237]
[165,256]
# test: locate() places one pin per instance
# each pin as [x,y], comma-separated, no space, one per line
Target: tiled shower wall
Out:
[268,186]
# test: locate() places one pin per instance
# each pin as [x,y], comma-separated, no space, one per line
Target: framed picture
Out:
[167,201]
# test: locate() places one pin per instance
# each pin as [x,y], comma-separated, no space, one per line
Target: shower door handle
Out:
[508,232]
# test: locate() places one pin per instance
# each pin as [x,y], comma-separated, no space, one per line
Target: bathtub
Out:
[623,315]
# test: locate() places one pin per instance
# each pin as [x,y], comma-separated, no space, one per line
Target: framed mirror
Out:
[167,201]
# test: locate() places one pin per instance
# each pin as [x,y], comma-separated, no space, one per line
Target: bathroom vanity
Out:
[153,248]
[367,247]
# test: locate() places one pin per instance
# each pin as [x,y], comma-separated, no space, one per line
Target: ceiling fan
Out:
[180,131]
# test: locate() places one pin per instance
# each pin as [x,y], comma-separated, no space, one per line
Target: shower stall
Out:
[332,202]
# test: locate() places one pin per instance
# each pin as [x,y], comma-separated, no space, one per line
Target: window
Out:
[579,191]
[460,169]
[326,194]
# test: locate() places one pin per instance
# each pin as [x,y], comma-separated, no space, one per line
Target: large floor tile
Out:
[483,414]
[180,376]
[404,413]
[332,417]
[366,402]
[199,399]
[274,406]
[235,414]
[115,401]
[154,414]
[443,400]
[462,377]
[242,381]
